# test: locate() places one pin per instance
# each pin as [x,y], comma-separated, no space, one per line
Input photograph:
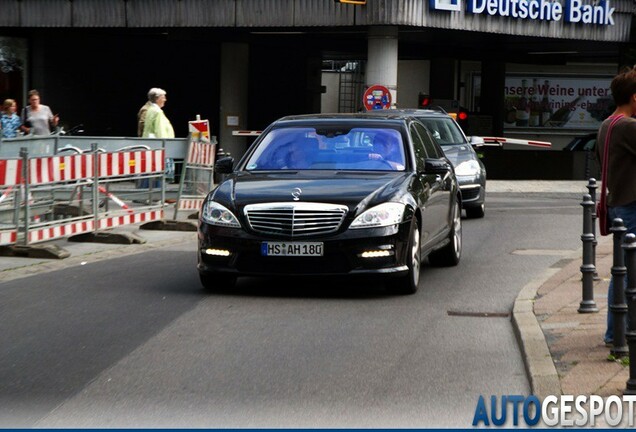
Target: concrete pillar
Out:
[233,97]
[382,58]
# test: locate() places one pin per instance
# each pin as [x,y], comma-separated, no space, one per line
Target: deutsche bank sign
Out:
[571,11]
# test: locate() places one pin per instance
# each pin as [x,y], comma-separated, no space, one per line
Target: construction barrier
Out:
[10,179]
[198,175]
[52,197]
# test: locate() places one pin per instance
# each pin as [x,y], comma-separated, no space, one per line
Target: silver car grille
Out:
[295,219]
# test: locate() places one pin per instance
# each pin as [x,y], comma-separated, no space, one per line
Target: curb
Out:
[542,374]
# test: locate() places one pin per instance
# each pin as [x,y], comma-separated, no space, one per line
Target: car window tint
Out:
[418,148]
[444,130]
[431,149]
[363,148]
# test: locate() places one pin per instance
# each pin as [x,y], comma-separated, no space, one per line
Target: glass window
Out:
[431,149]
[329,148]
[444,130]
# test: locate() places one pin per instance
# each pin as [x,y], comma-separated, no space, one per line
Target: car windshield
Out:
[444,130]
[308,148]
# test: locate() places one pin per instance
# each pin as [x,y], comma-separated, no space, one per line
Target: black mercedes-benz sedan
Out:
[333,194]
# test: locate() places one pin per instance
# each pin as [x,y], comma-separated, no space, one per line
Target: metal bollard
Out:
[629,246]
[618,306]
[591,187]
[587,305]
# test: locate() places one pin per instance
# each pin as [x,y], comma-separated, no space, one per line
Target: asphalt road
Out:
[134,342]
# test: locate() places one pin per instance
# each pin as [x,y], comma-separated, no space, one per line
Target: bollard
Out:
[587,305]
[618,306]
[629,246]
[591,187]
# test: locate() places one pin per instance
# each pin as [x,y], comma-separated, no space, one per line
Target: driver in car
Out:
[385,149]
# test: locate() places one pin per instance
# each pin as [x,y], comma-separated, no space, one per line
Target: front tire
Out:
[217,281]
[408,283]
[476,212]
[450,254]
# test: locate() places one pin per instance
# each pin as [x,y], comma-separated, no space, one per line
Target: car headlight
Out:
[386,214]
[216,214]
[468,168]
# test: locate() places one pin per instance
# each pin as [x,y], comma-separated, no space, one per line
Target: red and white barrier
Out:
[501,140]
[201,153]
[131,163]
[10,172]
[37,235]
[115,221]
[55,169]
[8,237]
[190,203]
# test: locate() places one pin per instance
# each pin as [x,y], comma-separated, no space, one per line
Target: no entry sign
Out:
[377,97]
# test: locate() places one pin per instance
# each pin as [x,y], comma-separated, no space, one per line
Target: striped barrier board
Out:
[131,163]
[501,140]
[57,169]
[201,153]
[10,172]
[190,203]
[8,237]
[115,221]
[37,235]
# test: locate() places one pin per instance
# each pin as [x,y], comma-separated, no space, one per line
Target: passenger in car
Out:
[386,149]
[301,154]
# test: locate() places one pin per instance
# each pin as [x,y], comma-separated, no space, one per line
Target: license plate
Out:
[292,249]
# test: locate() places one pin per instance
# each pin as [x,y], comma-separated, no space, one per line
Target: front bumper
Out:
[342,253]
[473,194]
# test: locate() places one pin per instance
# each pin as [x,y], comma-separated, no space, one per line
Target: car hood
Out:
[458,153]
[350,189]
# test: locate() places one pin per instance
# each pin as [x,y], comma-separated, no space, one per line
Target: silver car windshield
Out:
[305,148]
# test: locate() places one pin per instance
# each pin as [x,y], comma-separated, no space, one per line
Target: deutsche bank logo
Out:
[446,5]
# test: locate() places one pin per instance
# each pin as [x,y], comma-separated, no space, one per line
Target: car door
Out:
[423,189]
[439,185]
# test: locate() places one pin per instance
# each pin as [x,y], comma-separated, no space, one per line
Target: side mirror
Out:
[476,141]
[224,165]
[436,166]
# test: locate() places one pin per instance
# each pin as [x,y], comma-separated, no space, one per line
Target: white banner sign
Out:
[556,101]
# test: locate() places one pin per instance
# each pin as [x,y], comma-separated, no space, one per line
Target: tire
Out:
[407,284]
[217,281]
[476,212]
[450,254]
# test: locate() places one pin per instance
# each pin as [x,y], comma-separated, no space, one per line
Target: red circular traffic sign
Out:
[377,97]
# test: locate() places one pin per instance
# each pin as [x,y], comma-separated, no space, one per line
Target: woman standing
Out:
[38,118]
[9,121]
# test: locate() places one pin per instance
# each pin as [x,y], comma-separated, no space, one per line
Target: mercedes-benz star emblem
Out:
[296,193]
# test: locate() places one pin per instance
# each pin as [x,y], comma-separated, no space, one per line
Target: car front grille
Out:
[295,219]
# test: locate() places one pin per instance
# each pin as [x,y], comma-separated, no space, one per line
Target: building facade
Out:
[531,68]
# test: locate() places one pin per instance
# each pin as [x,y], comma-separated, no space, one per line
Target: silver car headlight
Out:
[468,168]
[216,214]
[382,215]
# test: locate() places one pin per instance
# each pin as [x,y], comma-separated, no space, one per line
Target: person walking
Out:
[10,122]
[38,118]
[156,124]
[621,164]
[141,114]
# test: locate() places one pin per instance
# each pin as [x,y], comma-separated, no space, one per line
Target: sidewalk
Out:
[577,353]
